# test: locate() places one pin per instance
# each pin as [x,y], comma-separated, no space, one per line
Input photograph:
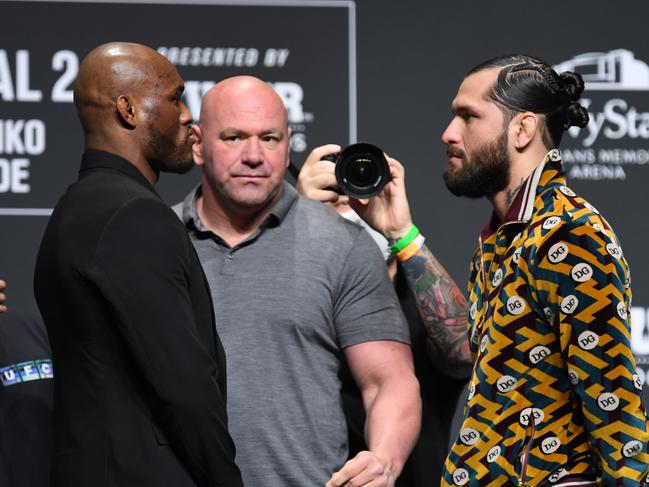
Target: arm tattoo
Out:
[443,310]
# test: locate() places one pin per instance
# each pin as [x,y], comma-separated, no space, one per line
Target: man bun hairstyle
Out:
[529,84]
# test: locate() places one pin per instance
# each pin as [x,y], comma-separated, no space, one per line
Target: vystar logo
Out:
[614,117]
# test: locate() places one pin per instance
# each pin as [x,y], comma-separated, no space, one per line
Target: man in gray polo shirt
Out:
[295,289]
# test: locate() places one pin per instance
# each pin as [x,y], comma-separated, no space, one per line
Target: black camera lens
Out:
[362,170]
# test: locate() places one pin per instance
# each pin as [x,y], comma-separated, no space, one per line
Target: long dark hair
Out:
[527,83]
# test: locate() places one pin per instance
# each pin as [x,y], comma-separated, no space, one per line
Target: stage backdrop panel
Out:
[42,44]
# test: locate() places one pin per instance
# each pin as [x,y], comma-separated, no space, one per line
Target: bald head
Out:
[244,95]
[242,146]
[111,70]
[128,98]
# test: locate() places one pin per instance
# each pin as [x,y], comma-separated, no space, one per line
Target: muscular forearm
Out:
[443,310]
[393,421]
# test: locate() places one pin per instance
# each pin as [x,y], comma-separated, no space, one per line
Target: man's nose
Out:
[452,134]
[252,152]
[185,115]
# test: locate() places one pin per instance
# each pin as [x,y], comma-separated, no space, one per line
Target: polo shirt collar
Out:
[277,214]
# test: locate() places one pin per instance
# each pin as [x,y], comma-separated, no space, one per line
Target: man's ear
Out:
[524,127]
[288,153]
[126,110]
[197,146]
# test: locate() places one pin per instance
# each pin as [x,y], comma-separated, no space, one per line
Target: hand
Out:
[389,211]
[364,469]
[317,178]
[3,285]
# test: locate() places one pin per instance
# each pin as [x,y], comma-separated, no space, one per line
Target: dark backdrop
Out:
[375,70]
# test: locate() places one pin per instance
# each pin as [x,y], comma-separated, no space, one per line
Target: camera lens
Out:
[362,171]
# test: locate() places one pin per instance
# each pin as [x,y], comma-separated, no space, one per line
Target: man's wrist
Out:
[403,241]
[395,235]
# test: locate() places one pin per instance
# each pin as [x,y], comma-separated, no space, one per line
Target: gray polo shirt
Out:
[287,301]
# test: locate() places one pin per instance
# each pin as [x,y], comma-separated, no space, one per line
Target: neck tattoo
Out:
[511,193]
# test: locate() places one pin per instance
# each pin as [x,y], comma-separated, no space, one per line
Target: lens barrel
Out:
[361,170]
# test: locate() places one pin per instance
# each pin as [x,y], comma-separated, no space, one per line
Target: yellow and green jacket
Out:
[554,398]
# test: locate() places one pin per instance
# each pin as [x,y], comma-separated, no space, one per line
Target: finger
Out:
[3,285]
[396,168]
[3,298]
[352,468]
[326,196]
[311,186]
[319,152]
[359,206]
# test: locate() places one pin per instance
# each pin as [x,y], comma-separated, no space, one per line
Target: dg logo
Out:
[582,272]
[460,476]
[550,445]
[588,340]
[567,191]
[535,414]
[569,304]
[614,250]
[551,222]
[632,448]
[608,401]
[621,310]
[515,305]
[469,436]
[557,252]
[493,454]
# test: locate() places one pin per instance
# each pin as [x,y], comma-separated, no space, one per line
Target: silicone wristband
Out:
[404,241]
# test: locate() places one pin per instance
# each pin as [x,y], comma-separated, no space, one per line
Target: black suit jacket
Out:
[139,392]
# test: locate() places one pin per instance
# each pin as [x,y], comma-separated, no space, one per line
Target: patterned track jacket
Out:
[554,392]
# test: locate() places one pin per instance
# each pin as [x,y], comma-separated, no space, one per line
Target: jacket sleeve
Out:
[141,267]
[583,280]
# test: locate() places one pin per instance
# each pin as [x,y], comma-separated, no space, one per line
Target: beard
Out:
[484,174]
[168,155]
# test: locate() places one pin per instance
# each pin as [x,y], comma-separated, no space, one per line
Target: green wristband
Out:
[404,241]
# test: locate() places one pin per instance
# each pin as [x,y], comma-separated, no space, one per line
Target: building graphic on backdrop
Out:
[615,139]
[615,70]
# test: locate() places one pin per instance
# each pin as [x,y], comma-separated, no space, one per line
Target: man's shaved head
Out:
[109,71]
[242,93]
[128,97]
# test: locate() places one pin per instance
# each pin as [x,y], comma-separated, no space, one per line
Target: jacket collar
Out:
[96,159]
[548,174]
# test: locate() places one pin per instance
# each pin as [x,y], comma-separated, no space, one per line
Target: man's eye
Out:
[232,138]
